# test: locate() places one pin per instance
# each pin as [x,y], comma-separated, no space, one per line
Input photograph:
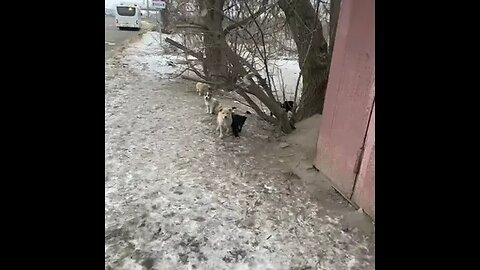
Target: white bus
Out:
[128,16]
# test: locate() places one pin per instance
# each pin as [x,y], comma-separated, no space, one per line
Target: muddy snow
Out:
[178,197]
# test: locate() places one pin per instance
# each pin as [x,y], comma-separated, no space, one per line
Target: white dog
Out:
[224,121]
[211,103]
[202,88]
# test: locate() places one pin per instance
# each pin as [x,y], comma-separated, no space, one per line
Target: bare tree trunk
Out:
[306,28]
[166,18]
[334,13]
[212,18]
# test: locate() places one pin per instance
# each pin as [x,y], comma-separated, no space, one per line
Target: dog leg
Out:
[221,132]
[235,132]
[214,108]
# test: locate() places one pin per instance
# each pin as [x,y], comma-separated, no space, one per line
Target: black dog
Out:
[287,106]
[237,122]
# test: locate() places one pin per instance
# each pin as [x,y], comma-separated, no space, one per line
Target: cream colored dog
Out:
[224,121]
[202,88]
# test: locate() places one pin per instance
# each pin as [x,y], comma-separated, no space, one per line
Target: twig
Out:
[180,74]
[191,26]
[240,24]
[296,235]
[282,84]
[262,81]
[191,68]
[296,89]
[275,91]
[263,43]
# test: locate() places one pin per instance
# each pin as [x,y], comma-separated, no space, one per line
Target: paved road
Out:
[114,37]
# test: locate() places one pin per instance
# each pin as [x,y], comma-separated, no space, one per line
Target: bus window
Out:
[126,11]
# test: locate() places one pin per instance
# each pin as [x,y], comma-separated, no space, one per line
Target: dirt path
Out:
[178,197]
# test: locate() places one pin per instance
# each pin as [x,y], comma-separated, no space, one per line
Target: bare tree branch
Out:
[264,51]
[262,81]
[191,68]
[241,23]
[254,106]
[191,26]
[193,53]
[199,80]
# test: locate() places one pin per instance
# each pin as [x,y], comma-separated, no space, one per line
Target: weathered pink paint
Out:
[350,95]
[364,193]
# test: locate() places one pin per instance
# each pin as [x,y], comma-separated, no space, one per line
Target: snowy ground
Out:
[178,197]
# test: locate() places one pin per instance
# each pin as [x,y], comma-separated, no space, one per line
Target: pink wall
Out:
[364,193]
[348,105]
